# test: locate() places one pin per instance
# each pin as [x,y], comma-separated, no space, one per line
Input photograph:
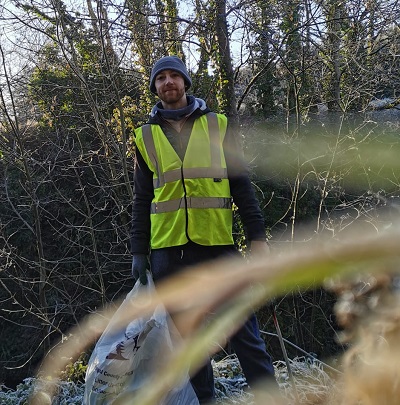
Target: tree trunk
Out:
[224,62]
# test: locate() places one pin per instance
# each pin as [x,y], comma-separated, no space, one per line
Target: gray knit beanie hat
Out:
[172,63]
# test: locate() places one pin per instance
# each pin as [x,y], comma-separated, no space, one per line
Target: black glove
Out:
[140,264]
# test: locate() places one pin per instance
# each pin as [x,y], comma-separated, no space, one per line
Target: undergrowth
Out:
[231,388]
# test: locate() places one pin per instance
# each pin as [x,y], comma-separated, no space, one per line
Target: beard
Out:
[172,95]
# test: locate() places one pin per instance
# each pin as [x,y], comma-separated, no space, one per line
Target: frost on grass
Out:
[230,383]
[313,384]
[68,393]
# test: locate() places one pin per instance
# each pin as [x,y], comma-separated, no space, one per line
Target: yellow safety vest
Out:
[192,198]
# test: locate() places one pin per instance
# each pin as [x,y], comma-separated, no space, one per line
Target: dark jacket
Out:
[241,188]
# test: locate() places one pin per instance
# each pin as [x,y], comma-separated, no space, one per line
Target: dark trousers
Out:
[247,343]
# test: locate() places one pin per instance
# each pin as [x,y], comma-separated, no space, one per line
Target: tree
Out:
[292,56]
[223,63]
[66,176]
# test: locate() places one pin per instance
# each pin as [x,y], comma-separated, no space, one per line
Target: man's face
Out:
[170,87]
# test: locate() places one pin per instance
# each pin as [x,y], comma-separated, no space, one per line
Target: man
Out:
[188,168]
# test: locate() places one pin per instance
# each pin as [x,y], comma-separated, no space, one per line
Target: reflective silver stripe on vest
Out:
[191,173]
[167,177]
[205,172]
[192,202]
[151,151]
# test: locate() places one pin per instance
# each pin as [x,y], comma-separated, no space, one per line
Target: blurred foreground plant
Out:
[225,293]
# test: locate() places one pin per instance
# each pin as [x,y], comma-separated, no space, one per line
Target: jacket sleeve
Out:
[241,188]
[143,194]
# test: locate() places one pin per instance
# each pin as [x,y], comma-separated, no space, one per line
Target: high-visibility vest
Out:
[192,198]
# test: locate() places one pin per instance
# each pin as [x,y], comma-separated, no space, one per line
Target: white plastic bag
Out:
[124,358]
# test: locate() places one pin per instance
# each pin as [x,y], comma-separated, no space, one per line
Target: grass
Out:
[231,388]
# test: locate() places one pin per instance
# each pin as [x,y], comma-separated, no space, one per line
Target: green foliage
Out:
[56,91]
[239,233]
[76,371]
